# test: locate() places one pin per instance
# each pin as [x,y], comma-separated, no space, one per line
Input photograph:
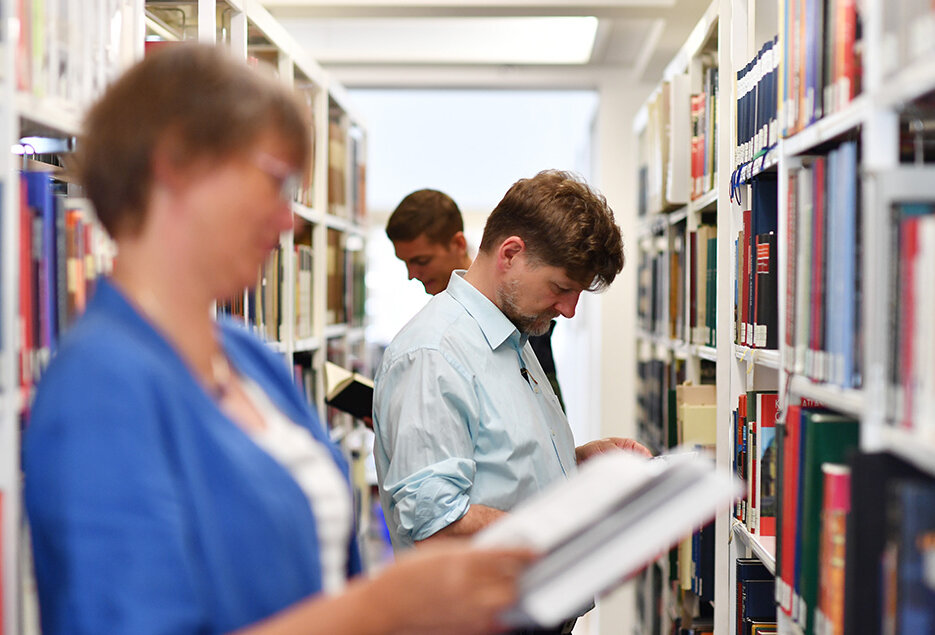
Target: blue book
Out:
[40,198]
[911,523]
[849,267]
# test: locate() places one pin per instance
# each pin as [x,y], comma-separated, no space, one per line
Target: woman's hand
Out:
[449,588]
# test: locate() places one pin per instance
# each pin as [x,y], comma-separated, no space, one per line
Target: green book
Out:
[827,438]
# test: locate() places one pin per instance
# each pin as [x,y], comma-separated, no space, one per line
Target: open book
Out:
[604,524]
[348,391]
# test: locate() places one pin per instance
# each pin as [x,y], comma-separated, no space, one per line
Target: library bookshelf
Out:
[816,194]
[309,300]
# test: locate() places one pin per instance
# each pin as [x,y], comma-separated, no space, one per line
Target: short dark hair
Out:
[199,97]
[564,223]
[428,212]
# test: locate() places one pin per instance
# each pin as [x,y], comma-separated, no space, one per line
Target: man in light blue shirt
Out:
[467,425]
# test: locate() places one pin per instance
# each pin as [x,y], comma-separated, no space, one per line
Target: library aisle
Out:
[785,288]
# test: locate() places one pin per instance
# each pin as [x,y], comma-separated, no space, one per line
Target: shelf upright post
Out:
[238,34]
[286,70]
[725,357]
[10,507]
[207,21]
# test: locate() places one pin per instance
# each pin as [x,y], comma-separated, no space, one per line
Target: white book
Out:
[603,525]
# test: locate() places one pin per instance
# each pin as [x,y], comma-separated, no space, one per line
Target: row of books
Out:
[62,251]
[757,123]
[823,273]
[809,437]
[65,47]
[677,285]
[912,348]
[695,427]
[704,107]
[678,161]
[347,172]
[263,306]
[821,63]
[867,536]
[754,459]
[757,279]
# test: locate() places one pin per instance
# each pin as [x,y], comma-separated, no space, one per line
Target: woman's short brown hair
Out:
[564,223]
[211,105]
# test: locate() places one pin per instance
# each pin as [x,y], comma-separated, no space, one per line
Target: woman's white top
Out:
[311,465]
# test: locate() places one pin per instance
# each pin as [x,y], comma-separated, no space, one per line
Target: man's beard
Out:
[535,324]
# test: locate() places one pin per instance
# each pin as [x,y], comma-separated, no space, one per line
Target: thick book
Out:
[911,540]
[348,391]
[617,514]
[826,438]
[872,477]
[747,570]
[829,613]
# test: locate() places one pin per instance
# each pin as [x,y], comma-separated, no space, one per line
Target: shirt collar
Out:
[495,326]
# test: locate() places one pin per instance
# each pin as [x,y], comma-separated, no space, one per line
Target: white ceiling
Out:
[519,43]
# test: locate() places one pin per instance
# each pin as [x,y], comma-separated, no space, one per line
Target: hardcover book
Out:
[348,391]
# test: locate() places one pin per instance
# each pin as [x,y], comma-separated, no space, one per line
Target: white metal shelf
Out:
[764,547]
[307,344]
[766,163]
[706,200]
[51,115]
[766,357]
[912,446]
[279,347]
[909,83]
[333,331]
[310,214]
[827,128]
[355,334]
[846,400]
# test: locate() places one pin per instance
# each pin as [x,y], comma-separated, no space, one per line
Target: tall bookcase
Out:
[56,57]
[824,117]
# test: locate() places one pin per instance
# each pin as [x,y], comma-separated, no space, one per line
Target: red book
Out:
[816,322]
[767,404]
[789,493]
[26,305]
[908,252]
[832,550]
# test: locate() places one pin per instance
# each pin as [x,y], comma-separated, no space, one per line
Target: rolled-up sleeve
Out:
[426,414]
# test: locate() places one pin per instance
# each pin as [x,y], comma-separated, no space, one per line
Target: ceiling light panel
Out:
[512,40]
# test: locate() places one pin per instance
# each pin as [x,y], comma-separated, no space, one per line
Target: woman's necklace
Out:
[222,378]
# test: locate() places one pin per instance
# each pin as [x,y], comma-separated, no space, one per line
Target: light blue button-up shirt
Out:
[457,423]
